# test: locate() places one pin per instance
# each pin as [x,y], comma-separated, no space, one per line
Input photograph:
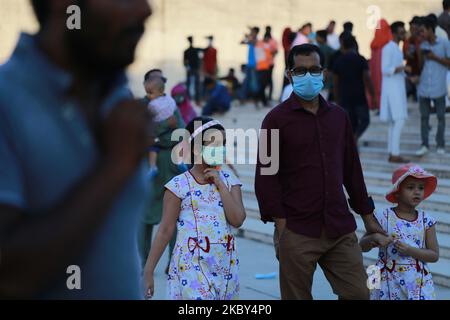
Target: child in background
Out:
[181,96]
[162,107]
[203,204]
[232,83]
[410,241]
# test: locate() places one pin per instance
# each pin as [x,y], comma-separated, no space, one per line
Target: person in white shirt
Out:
[332,38]
[302,35]
[393,107]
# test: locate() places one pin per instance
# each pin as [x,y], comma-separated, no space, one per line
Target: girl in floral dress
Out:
[410,241]
[204,204]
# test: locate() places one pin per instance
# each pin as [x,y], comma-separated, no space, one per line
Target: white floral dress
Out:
[403,277]
[204,264]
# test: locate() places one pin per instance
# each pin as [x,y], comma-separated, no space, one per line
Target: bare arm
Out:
[233,205]
[231,200]
[368,242]
[444,61]
[373,240]
[35,249]
[368,83]
[428,254]
[171,212]
[369,86]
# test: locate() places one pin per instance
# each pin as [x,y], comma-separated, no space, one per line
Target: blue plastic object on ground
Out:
[272,275]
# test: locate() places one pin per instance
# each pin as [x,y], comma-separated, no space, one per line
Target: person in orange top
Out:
[273,44]
[382,36]
[264,59]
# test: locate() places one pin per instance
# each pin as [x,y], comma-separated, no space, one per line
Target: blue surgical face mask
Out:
[214,156]
[307,87]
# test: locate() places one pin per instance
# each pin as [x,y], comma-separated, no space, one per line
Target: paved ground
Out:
[259,258]
[255,258]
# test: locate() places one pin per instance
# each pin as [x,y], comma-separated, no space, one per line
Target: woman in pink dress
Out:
[180,95]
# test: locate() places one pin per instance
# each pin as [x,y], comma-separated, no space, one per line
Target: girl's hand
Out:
[149,285]
[382,240]
[212,176]
[403,248]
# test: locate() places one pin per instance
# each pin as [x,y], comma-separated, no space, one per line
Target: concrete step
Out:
[381,154]
[412,125]
[443,218]
[249,114]
[368,153]
[407,144]
[436,202]
[267,229]
[376,178]
[442,171]
[254,229]
[442,226]
[378,186]
[384,180]
[412,130]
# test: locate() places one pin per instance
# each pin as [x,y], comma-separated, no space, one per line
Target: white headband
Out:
[203,127]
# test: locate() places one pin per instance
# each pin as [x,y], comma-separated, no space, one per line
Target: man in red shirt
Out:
[411,49]
[210,59]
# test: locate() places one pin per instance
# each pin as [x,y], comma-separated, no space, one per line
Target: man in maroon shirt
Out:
[305,198]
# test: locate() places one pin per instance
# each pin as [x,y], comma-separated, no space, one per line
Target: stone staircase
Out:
[377,172]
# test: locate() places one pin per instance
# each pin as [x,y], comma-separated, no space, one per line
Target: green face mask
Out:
[214,156]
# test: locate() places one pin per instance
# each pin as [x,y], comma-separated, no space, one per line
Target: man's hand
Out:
[126,134]
[372,225]
[399,69]
[149,285]
[414,79]
[280,224]
[382,240]
[431,56]
[408,69]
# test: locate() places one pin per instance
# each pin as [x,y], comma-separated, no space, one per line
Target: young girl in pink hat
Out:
[410,240]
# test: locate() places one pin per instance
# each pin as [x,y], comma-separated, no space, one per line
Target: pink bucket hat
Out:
[411,170]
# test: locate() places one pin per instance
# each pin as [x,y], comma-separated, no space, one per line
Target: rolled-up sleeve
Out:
[267,187]
[354,183]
